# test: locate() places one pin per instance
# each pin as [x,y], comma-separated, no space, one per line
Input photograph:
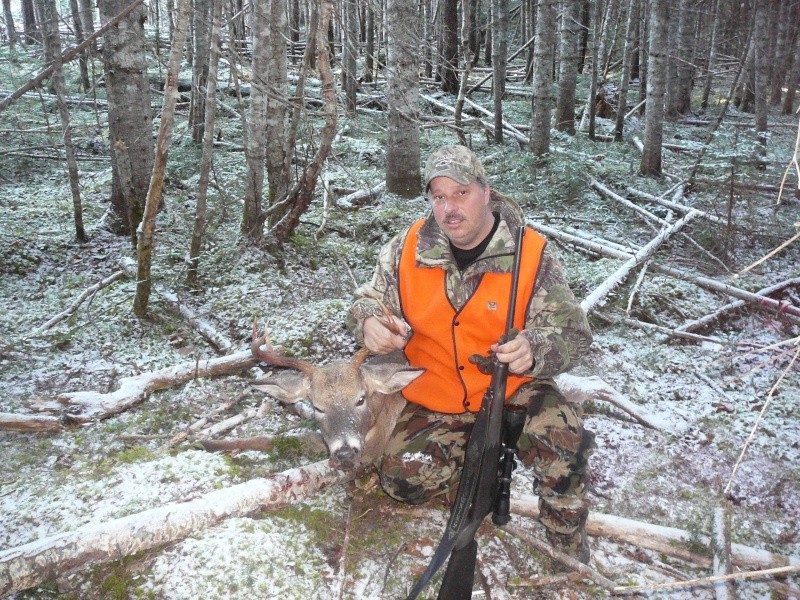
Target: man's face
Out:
[461,211]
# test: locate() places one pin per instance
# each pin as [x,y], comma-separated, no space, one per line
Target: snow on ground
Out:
[353,542]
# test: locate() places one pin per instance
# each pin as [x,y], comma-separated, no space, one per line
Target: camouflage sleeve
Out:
[556,325]
[382,289]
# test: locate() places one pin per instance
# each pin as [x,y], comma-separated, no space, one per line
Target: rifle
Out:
[480,480]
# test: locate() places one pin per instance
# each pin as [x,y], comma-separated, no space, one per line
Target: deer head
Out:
[356,404]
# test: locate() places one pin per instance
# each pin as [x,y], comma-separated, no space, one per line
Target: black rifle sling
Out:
[481,459]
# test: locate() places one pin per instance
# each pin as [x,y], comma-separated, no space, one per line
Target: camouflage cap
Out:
[459,163]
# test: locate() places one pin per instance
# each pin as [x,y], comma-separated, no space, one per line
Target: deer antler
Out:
[268,354]
[386,320]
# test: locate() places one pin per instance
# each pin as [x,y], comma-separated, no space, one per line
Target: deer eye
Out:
[361,401]
[318,410]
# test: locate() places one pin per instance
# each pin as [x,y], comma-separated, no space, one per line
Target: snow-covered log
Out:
[567,560]
[596,297]
[57,555]
[670,541]
[21,422]
[704,282]
[83,407]
[88,293]
[582,389]
[721,547]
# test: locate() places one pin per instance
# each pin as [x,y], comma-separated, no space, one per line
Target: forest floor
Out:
[352,541]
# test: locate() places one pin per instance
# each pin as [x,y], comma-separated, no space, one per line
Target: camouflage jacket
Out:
[556,326]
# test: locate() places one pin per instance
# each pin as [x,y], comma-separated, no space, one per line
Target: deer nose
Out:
[346,454]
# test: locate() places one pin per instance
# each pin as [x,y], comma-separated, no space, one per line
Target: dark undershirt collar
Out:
[465,258]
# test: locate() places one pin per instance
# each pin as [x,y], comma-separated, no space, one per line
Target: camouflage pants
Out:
[425,454]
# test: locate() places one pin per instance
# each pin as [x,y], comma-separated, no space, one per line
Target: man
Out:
[446,281]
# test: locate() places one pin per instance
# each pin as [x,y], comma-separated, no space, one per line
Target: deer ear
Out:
[287,386]
[387,378]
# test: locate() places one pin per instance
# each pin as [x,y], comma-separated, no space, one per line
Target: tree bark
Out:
[499,29]
[762,62]
[84,407]
[201,31]
[542,99]
[627,58]
[301,195]
[403,152]
[569,49]
[349,55]
[280,144]
[146,232]
[130,118]
[50,36]
[58,555]
[208,145]
[711,62]
[656,75]
[597,296]
[448,57]
[8,17]
[256,139]
[670,541]
[83,57]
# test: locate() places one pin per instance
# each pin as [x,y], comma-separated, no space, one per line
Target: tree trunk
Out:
[369,49]
[201,29]
[761,39]
[569,49]
[679,84]
[29,22]
[145,233]
[79,38]
[299,198]
[58,555]
[52,41]
[542,100]
[711,62]
[86,14]
[656,84]
[280,146]
[256,142]
[627,59]
[11,30]
[499,30]
[792,80]
[349,55]
[783,11]
[208,145]
[448,60]
[130,118]
[402,152]
[466,36]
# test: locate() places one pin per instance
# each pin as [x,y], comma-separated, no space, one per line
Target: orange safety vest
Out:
[443,338]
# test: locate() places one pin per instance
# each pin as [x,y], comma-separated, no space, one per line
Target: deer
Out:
[356,403]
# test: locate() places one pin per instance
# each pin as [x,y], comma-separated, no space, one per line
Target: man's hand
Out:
[517,353]
[379,339]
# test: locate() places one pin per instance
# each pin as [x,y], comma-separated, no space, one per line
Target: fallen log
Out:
[88,293]
[38,423]
[670,541]
[721,547]
[704,282]
[596,297]
[567,560]
[705,320]
[83,407]
[581,389]
[58,555]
